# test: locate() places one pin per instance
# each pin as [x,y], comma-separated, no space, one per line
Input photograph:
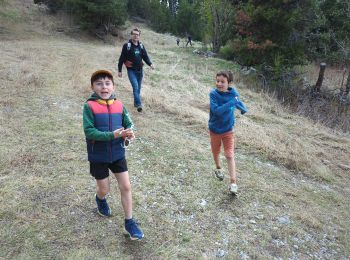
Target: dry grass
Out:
[334,77]
[325,107]
[293,174]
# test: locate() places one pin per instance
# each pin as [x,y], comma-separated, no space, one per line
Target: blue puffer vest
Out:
[108,117]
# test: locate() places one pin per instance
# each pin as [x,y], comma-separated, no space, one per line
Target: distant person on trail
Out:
[189,40]
[132,54]
[223,102]
[178,41]
[108,130]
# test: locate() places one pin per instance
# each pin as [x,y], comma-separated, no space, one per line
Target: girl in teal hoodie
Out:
[223,102]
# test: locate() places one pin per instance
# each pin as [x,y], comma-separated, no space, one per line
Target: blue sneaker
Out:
[102,207]
[132,228]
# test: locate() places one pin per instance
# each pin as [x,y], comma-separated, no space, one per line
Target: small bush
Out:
[227,52]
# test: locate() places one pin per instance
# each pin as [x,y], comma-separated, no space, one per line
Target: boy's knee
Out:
[229,156]
[126,187]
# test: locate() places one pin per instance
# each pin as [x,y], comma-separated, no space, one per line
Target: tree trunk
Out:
[320,77]
[347,86]
[173,6]
[216,33]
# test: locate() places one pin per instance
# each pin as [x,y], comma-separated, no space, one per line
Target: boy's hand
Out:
[129,133]
[120,74]
[118,132]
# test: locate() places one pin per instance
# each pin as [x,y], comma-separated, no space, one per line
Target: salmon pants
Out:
[228,141]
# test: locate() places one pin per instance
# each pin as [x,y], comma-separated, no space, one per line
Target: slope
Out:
[293,174]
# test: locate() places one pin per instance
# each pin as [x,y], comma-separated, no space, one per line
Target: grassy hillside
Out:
[293,174]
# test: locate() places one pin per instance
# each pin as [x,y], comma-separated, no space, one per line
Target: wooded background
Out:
[275,37]
[276,32]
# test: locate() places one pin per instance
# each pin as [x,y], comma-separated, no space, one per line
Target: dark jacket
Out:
[133,57]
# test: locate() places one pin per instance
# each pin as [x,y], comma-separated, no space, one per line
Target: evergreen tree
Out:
[156,12]
[189,20]
[139,8]
[161,18]
[272,32]
[94,13]
[336,30]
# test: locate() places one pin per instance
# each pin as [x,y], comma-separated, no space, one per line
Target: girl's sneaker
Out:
[233,188]
[218,174]
[133,230]
[102,207]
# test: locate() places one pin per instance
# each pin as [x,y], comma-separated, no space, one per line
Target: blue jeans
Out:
[135,77]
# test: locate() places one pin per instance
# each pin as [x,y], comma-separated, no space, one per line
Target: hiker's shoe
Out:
[139,109]
[233,188]
[102,207]
[132,228]
[219,174]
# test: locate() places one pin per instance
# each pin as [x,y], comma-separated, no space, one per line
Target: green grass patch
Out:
[9,14]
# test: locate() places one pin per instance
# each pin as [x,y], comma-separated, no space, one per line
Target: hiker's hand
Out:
[120,74]
[118,132]
[152,67]
[129,133]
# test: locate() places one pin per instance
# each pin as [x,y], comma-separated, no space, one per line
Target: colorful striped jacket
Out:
[100,119]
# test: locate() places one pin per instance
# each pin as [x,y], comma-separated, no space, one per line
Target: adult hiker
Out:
[132,54]
[189,40]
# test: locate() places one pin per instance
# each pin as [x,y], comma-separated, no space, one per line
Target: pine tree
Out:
[337,28]
[189,20]
[94,13]
[272,32]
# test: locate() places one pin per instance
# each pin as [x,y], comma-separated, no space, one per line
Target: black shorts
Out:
[101,170]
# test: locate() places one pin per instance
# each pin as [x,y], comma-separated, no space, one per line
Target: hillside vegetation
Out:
[293,174]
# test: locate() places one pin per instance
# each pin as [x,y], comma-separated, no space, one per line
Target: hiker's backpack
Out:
[129,46]
[128,63]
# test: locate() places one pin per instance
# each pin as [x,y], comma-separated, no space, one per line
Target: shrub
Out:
[227,52]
